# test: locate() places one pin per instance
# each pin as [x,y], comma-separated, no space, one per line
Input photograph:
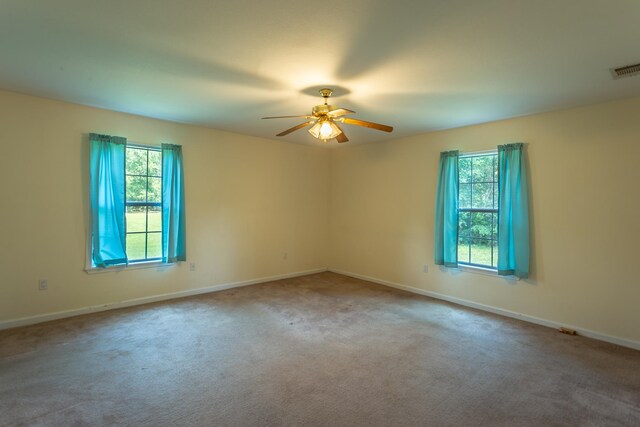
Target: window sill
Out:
[484,272]
[133,266]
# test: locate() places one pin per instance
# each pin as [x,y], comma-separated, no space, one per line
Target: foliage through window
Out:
[143,203]
[478,210]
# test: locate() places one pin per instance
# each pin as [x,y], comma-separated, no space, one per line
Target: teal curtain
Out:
[107,183]
[513,212]
[173,214]
[446,214]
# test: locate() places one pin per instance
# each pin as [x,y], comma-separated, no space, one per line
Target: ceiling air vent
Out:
[626,71]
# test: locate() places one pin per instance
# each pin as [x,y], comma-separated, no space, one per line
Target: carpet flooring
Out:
[318,350]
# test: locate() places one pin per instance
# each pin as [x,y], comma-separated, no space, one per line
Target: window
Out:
[481,215]
[478,210]
[143,189]
[137,206]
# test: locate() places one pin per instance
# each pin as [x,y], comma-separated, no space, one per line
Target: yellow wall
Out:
[364,209]
[585,208]
[249,200]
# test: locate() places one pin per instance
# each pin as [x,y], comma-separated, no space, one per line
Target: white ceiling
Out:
[416,65]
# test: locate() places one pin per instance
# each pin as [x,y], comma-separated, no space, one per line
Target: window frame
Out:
[469,265]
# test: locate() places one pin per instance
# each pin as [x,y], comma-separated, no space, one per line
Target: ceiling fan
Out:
[325,119]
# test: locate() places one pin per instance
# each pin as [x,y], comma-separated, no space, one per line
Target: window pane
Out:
[463,250]
[464,196]
[136,162]
[482,196]
[135,246]
[481,252]
[494,226]
[482,169]
[464,169]
[154,245]
[136,188]
[136,218]
[464,224]
[155,162]
[155,218]
[481,225]
[155,189]
[495,254]
[144,184]
[477,231]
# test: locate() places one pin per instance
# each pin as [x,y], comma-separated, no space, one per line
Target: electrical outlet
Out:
[192,266]
[425,268]
[43,284]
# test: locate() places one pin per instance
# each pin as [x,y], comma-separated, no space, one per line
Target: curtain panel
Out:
[173,206]
[446,213]
[513,206]
[107,187]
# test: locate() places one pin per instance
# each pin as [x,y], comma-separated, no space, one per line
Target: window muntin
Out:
[478,210]
[143,203]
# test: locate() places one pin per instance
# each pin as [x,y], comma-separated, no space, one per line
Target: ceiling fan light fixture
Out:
[324,129]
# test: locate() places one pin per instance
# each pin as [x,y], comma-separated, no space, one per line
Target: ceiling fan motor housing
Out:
[322,109]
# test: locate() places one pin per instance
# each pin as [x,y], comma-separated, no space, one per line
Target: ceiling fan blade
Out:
[288,117]
[295,128]
[340,112]
[342,137]
[371,125]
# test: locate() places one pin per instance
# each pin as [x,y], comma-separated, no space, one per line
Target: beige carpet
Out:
[318,350]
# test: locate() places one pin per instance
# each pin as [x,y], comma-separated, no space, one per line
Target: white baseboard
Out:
[532,319]
[23,321]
